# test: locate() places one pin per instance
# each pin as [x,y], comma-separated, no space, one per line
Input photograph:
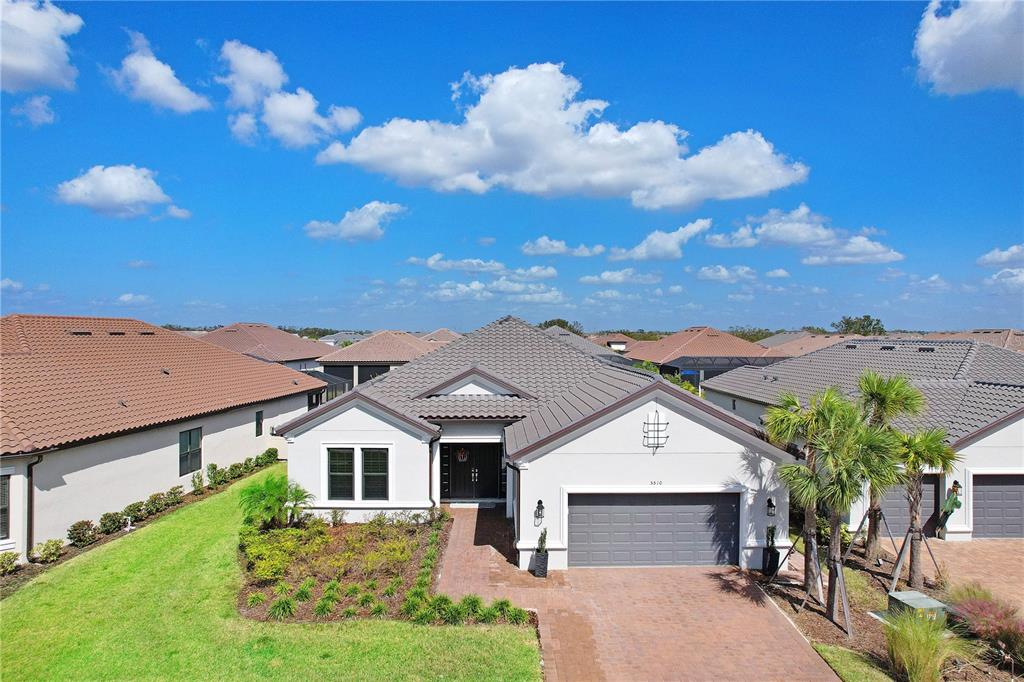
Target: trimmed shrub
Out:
[323,607]
[136,511]
[305,591]
[271,568]
[48,552]
[416,593]
[267,457]
[471,604]
[236,470]
[350,612]
[352,590]
[255,599]
[502,606]
[425,616]
[82,533]
[337,517]
[174,496]
[249,465]
[411,606]
[365,599]
[155,504]
[379,610]
[918,647]
[8,562]
[371,585]
[282,589]
[198,487]
[215,475]
[451,614]
[111,522]
[332,590]
[517,616]
[282,608]
[488,614]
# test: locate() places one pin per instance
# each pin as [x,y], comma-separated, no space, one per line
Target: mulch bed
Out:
[9,584]
[323,567]
[868,633]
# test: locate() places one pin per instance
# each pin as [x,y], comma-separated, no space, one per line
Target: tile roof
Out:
[783,337]
[69,379]
[1013,339]
[586,345]
[565,382]
[809,343]
[381,347]
[442,335]
[702,342]
[605,339]
[342,336]
[266,342]
[967,385]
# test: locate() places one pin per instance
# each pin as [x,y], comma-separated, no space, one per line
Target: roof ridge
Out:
[968,361]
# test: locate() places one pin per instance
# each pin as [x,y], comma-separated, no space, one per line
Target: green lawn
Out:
[160,603]
[851,666]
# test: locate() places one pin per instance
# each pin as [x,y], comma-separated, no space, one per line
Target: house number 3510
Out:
[655,482]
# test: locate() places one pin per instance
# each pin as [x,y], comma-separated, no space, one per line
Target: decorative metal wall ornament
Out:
[655,431]
[462,455]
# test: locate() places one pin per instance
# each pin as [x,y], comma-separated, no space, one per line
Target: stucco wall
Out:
[299,365]
[408,462]
[86,481]
[612,458]
[746,409]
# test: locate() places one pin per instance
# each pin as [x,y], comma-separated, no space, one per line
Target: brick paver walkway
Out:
[685,623]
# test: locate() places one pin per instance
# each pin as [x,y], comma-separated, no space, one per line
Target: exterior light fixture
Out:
[538,513]
[771,507]
[956,487]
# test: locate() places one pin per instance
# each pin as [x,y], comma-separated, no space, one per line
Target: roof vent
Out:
[164,370]
[888,348]
[147,333]
[122,403]
[115,333]
[925,349]
[80,332]
[851,345]
[295,381]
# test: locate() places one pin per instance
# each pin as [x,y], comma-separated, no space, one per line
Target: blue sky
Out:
[766,164]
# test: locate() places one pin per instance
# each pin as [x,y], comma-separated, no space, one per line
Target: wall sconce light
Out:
[771,507]
[538,513]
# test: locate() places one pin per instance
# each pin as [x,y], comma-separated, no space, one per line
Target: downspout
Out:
[430,468]
[30,502]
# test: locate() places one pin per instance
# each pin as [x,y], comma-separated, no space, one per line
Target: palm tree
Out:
[884,399]
[264,502]
[848,452]
[920,451]
[298,500]
[790,423]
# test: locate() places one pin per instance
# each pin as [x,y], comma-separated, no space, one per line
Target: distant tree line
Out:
[310,332]
[193,327]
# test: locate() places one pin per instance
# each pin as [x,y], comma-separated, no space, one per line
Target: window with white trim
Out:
[5,507]
[375,473]
[190,451]
[341,474]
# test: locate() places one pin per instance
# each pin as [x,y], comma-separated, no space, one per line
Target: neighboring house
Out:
[442,335]
[617,342]
[339,338]
[620,466]
[375,355]
[586,345]
[1011,339]
[194,333]
[808,343]
[101,412]
[270,344]
[974,391]
[783,337]
[699,353]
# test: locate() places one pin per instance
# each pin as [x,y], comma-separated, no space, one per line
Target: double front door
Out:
[470,471]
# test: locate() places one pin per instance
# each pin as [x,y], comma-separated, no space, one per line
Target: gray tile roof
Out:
[782,337]
[587,346]
[967,385]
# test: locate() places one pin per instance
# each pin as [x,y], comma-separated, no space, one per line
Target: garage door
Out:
[897,509]
[998,506]
[657,529]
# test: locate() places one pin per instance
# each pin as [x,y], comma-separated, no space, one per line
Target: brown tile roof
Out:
[1013,339]
[70,379]
[810,343]
[605,339]
[382,347]
[265,342]
[702,342]
[442,335]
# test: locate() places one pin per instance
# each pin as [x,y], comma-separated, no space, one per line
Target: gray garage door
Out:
[998,506]
[658,529]
[897,510]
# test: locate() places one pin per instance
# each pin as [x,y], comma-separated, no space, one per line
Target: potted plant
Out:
[770,554]
[540,560]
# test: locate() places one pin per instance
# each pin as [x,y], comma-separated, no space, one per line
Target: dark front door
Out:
[470,470]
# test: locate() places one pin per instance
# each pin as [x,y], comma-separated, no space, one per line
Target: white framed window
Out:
[356,472]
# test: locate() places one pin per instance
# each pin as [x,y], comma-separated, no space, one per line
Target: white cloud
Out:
[454,291]
[930,285]
[625,276]
[10,285]
[675,289]
[660,245]
[406,283]
[243,127]
[36,110]
[486,241]
[252,74]
[1012,255]
[528,131]
[971,46]
[721,273]
[777,273]
[145,78]
[292,118]
[364,223]
[33,53]
[133,299]
[740,297]
[549,296]
[119,191]
[139,264]
[535,272]
[1008,279]
[803,229]
[439,263]
[614,295]
[546,246]
[178,212]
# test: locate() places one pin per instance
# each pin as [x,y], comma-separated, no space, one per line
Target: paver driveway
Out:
[697,623]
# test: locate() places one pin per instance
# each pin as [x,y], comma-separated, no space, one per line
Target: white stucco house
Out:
[96,413]
[618,465]
[974,391]
[266,342]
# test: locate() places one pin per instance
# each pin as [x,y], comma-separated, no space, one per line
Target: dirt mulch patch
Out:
[9,584]
[868,632]
[343,558]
